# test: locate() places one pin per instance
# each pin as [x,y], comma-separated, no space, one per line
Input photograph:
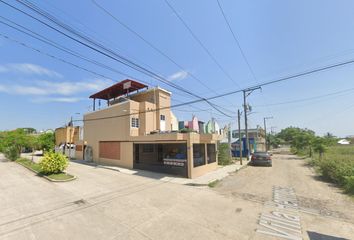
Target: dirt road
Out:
[322,211]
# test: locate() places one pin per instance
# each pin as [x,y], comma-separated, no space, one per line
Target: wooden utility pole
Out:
[239,133]
[246,126]
[265,131]
[229,140]
[246,93]
[71,125]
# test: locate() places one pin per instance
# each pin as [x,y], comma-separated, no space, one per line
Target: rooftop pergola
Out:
[119,89]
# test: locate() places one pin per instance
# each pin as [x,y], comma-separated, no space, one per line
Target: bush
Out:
[224,155]
[11,153]
[186,130]
[349,184]
[53,163]
[337,166]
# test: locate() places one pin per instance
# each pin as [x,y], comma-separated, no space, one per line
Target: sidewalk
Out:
[218,174]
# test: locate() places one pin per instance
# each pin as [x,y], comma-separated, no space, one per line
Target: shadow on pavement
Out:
[136,172]
[319,236]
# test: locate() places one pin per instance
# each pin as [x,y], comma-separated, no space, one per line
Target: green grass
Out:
[35,167]
[213,183]
[337,166]
[60,176]
[28,163]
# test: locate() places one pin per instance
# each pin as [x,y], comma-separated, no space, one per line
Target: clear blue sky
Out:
[279,38]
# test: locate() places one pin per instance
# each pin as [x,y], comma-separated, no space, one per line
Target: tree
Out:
[288,134]
[300,139]
[12,143]
[320,145]
[274,141]
[46,141]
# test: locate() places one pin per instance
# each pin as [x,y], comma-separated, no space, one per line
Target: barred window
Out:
[162,117]
[135,122]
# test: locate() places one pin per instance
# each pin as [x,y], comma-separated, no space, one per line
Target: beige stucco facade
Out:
[66,135]
[113,127]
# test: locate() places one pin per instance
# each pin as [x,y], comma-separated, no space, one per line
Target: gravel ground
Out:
[326,213]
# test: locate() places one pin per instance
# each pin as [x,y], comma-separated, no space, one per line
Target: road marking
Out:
[283,221]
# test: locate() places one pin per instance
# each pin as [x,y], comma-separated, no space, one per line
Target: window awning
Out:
[119,89]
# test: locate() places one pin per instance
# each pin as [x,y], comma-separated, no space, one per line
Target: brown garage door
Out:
[109,149]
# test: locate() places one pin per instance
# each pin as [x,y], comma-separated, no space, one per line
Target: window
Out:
[211,153]
[162,117]
[148,148]
[135,122]
[198,155]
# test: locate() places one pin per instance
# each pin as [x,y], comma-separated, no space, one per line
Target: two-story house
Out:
[136,130]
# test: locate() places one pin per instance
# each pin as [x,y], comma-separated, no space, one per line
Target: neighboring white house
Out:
[343,142]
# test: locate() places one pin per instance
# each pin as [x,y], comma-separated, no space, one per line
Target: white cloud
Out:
[28,68]
[28,90]
[58,99]
[3,88]
[47,88]
[178,75]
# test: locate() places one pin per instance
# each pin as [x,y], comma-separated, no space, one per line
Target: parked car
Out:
[261,158]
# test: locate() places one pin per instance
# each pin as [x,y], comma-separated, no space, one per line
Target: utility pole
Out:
[265,131]
[229,140]
[239,133]
[246,93]
[71,125]
[71,135]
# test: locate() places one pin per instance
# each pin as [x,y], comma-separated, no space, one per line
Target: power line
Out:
[102,50]
[57,46]
[308,72]
[236,40]
[52,56]
[150,44]
[52,43]
[125,61]
[62,48]
[201,43]
[239,47]
[309,99]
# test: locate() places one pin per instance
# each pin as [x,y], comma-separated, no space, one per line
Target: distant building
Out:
[343,142]
[67,135]
[256,139]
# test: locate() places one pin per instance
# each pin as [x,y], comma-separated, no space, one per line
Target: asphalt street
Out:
[286,201]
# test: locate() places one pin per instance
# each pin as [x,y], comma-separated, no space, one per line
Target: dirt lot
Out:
[325,212]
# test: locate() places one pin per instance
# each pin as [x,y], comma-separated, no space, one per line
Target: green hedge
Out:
[337,166]
[224,155]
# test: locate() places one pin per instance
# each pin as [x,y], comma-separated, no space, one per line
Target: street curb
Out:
[44,176]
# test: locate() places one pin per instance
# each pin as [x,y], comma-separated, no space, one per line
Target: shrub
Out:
[224,155]
[349,184]
[186,130]
[53,163]
[11,153]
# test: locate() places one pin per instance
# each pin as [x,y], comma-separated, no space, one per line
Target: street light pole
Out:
[265,131]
